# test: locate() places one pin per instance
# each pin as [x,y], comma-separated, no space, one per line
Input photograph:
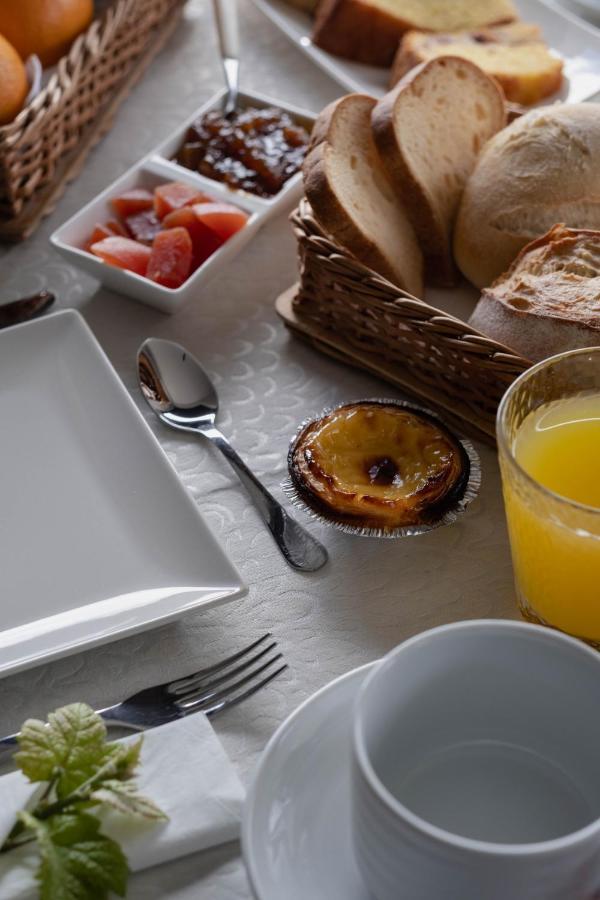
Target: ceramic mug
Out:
[476,767]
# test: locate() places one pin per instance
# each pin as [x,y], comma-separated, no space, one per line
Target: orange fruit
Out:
[44,27]
[13,82]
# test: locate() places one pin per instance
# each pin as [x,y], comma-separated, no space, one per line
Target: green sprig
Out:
[81,770]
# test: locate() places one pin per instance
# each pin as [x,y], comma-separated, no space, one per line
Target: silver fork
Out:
[211,691]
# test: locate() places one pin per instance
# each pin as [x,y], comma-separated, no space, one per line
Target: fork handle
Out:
[10,744]
[301,550]
[112,716]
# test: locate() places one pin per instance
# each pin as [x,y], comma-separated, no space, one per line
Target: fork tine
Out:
[200,682]
[216,708]
[209,670]
[198,698]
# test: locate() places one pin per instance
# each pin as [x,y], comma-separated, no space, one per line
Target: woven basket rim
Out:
[308,226]
[60,80]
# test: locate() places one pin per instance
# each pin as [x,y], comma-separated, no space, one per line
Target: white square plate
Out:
[576,41]
[98,537]
[157,168]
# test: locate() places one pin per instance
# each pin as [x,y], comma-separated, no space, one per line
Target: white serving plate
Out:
[576,41]
[98,537]
[589,9]
[157,168]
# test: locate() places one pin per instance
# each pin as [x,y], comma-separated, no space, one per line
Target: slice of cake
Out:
[549,299]
[368,31]
[514,54]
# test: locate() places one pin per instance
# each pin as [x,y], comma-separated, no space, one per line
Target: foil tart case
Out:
[448,515]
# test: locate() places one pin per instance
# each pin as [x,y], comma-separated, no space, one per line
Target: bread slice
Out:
[352,198]
[549,299]
[429,130]
[514,54]
[368,31]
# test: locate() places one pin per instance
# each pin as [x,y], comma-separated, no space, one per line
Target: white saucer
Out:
[296,836]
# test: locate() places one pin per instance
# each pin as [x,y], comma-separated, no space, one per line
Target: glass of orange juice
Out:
[548,430]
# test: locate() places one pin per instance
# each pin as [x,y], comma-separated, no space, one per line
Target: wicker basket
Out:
[47,142]
[357,316]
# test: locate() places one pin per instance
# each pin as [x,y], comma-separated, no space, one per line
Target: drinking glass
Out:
[555,541]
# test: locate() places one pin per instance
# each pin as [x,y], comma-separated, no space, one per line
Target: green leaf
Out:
[124,797]
[126,758]
[77,862]
[71,747]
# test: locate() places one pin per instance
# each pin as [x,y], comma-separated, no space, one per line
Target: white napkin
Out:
[184,769]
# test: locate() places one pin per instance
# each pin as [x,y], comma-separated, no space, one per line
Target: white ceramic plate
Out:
[158,168]
[296,836]
[98,537]
[589,9]
[576,41]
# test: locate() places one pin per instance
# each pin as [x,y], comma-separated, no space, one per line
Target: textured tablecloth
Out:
[373,594]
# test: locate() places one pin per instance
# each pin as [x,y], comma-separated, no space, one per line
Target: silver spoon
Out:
[181,394]
[229,45]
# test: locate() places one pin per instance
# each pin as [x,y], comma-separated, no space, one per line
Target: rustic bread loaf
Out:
[352,198]
[429,130]
[514,54]
[369,30]
[549,300]
[542,169]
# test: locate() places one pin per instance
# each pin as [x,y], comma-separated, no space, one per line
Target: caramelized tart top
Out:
[378,464]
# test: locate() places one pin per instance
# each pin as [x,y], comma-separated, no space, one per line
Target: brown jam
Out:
[256,150]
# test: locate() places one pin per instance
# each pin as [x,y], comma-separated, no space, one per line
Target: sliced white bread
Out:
[544,168]
[514,54]
[369,30]
[549,299]
[351,196]
[429,131]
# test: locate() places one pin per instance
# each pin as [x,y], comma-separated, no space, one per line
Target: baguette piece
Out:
[429,130]
[514,54]
[351,196]
[544,168]
[368,31]
[549,299]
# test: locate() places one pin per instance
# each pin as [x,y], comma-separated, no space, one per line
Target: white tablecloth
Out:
[373,594]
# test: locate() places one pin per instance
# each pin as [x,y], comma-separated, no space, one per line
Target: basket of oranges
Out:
[90,59]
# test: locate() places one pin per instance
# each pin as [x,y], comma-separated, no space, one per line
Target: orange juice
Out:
[556,543]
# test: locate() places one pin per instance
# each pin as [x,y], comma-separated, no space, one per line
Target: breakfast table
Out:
[373,593]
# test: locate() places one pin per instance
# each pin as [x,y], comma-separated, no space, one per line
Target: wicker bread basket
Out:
[47,142]
[357,316]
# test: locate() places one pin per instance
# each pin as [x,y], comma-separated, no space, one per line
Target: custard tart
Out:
[378,465]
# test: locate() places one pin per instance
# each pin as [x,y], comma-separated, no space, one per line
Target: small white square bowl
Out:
[157,168]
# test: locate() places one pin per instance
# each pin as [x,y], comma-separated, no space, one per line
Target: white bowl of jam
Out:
[260,175]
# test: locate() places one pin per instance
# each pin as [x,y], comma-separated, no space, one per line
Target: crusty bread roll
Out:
[429,131]
[368,31]
[549,300]
[514,54]
[543,169]
[352,198]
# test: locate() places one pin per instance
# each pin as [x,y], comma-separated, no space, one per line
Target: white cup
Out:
[476,767]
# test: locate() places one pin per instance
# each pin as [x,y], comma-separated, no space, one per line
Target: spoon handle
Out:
[229,43]
[301,550]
